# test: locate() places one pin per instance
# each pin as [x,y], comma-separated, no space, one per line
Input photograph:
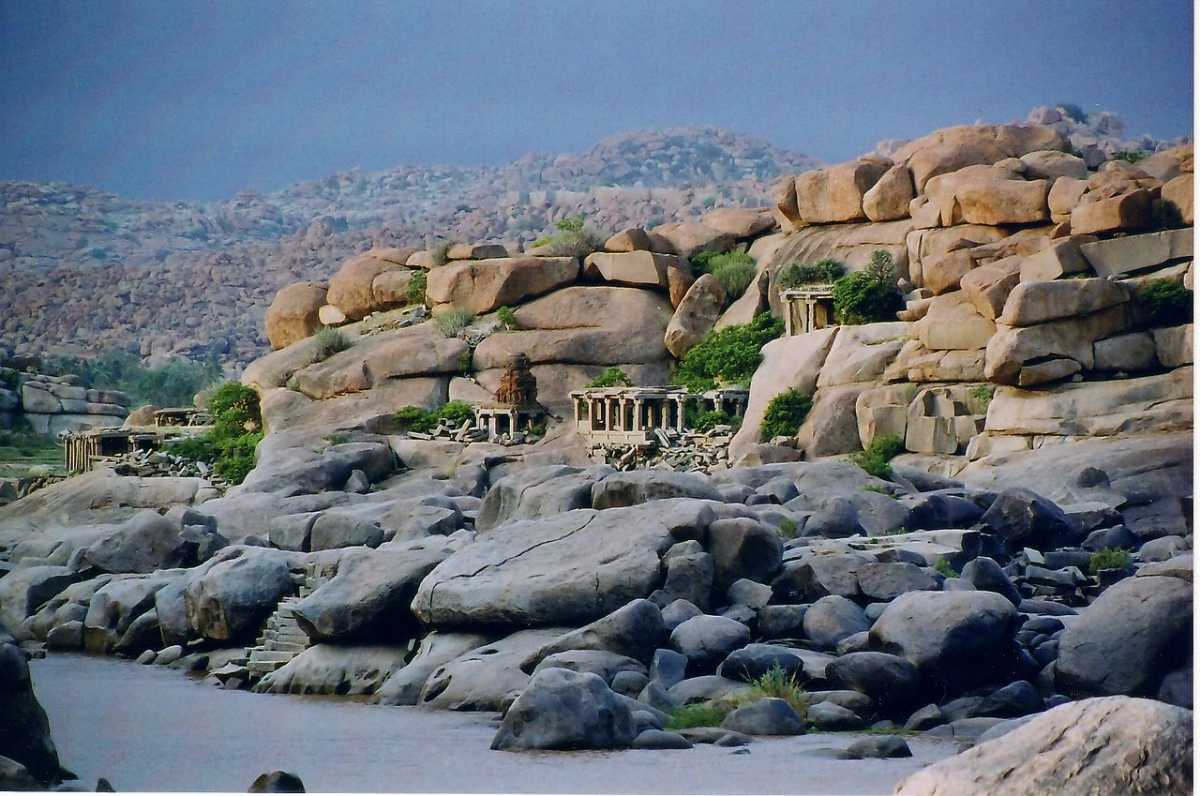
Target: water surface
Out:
[151,728]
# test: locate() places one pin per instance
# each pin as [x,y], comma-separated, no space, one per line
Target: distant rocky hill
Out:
[85,270]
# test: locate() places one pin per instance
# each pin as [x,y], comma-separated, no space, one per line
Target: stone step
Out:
[259,656]
[289,646]
[260,668]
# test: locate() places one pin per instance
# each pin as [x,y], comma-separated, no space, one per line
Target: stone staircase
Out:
[281,638]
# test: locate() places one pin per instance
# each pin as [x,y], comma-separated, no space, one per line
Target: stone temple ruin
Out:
[633,415]
[516,407]
[807,309]
[85,450]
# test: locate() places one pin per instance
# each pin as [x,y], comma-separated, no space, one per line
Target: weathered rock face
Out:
[369,596]
[480,286]
[695,316]
[228,599]
[404,686]
[1136,632]
[561,709]
[487,677]
[24,729]
[835,194]
[293,315]
[334,669]
[688,238]
[24,591]
[954,148]
[638,269]
[150,541]
[1109,745]
[567,569]
[350,289]
[889,198]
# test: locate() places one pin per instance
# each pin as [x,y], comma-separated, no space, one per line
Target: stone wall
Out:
[52,404]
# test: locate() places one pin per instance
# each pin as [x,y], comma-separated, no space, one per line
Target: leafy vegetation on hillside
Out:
[785,414]
[611,377]
[237,429]
[452,322]
[329,342]
[573,238]
[870,295]
[1108,558]
[414,418]
[735,270]
[822,272]
[415,292]
[875,457]
[727,356]
[1167,303]
[173,384]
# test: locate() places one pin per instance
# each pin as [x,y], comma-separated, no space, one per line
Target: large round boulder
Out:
[708,640]
[561,709]
[956,639]
[1124,643]
[228,599]
[293,314]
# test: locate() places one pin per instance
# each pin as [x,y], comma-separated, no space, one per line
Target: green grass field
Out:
[20,452]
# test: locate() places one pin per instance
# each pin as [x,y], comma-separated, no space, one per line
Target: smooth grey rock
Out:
[887,581]
[1128,639]
[276,782]
[629,683]
[668,667]
[560,709]
[704,689]
[634,630]
[404,686]
[229,597]
[335,669]
[781,621]
[677,613]
[955,639]
[833,618]
[986,575]
[602,663]
[660,739]
[830,716]
[642,486]
[1022,517]
[707,640]
[880,746]
[487,677]
[538,491]
[743,548]
[890,681]
[749,593]
[755,660]
[765,717]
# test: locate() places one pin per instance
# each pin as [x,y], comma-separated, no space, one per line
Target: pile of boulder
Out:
[689,451]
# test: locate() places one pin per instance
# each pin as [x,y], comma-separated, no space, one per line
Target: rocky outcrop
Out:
[1094,746]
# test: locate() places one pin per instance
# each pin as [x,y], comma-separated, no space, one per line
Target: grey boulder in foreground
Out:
[1096,746]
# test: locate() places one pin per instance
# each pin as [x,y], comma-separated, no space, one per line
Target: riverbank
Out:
[149,728]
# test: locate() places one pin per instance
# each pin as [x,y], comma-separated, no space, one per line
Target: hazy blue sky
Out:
[196,100]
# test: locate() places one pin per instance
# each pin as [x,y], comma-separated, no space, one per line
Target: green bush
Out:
[507,318]
[822,272]
[237,429]
[1167,303]
[944,567]
[778,684]
[787,528]
[173,384]
[452,322]
[876,457]
[9,379]
[455,413]
[415,292]
[414,418]
[1108,558]
[701,714]
[572,239]
[735,270]
[785,414]
[611,377]
[329,342]
[706,421]
[727,356]
[870,295]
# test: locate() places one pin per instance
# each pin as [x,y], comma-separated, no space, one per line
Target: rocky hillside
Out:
[87,271]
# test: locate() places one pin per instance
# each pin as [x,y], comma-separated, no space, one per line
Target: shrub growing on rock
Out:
[573,239]
[945,568]
[441,253]
[414,418]
[727,356]
[415,292]
[875,457]
[870,295]
[1168,303]
[611,377]
[1108,558]
[701,714]
[785,414]
[237,429]
[778,684]
[822,272]
[507,318]
[329,342]
[706,421]
[452,322]
[735,270]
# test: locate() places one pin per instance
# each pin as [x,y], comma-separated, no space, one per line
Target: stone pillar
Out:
[679,415]
[637,414]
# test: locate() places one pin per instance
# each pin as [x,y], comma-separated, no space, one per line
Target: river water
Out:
[151,728]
